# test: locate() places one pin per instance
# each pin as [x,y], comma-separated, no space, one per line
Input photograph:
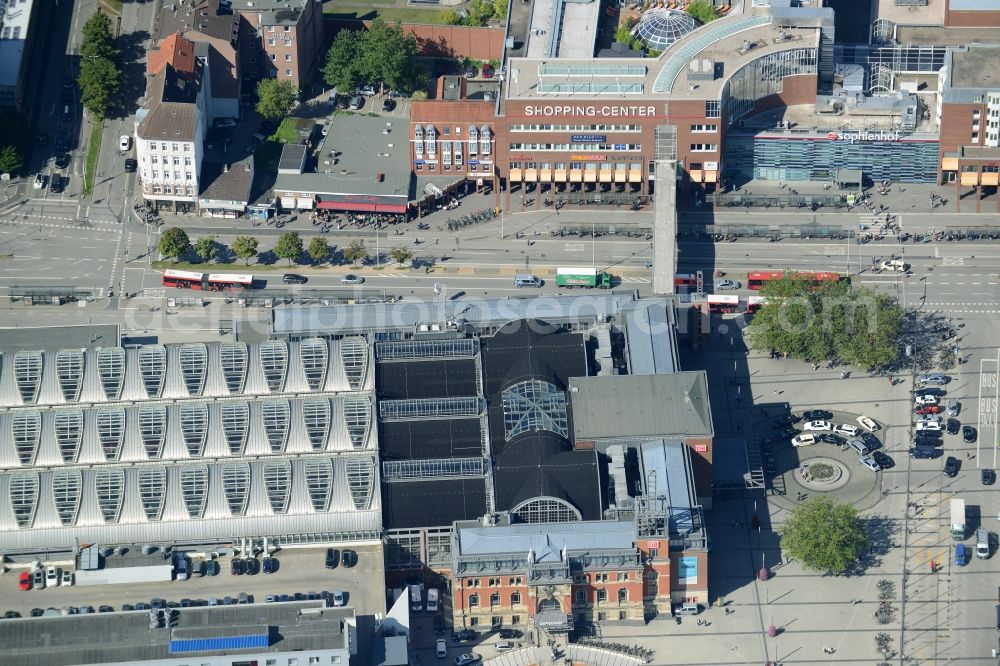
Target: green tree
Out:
[343,67]
[275,98]
[245,247]
[702,10]
[99,81]
[623,34]
[451,17]
[289,246]
[825,536]
[319,249]
[400,255]
[206,248]
[832,321]
[10,159]
[174,242]
[355,252]
[500,9]
[96,38]
[389,55]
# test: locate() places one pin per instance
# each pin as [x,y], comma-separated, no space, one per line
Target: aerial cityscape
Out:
[499,332]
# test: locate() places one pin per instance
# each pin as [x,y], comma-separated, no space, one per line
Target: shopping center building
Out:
[761,93]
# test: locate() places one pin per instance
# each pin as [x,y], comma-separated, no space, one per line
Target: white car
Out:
[818,425]
[352,279]
[805,439]
[869,424]
[51,577]
[928,425]
[67,577]
[870,463]
[929,418]
[505,646]
[440,648]
[39,181]
[467,658]
[124,143]
[725,285]
[847,429]
[926,400]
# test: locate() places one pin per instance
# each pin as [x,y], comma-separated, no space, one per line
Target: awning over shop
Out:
[590,175]
[576,175]
[545,175]
[949,164]
[634,176]
[990,178]
[970,178]
[605,175]
[620,175]
[560,176]
[530,175]
[363,207]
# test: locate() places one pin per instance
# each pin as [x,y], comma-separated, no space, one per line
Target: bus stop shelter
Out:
[56,295]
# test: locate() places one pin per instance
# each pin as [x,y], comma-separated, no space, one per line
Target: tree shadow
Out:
[267,258]
[132,73]
[224,254]
[882,532]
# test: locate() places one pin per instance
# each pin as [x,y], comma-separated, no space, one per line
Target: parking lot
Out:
[301,570]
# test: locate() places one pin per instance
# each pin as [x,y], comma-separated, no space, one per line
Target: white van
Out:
[897,265]
[416,598]
[432,600]
[526,281]
[688,608]
[858,446]
[982,543]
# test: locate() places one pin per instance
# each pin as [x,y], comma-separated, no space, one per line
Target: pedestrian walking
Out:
[775,393]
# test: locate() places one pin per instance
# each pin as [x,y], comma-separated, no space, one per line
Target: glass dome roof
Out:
[659,28]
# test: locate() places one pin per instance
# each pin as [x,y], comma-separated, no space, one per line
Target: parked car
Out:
[868,424]
[224,123]
[960,555]
[726,285]
[511,633]
[38,580]
[124,143]
[270,565]
[67,578]
[929,390]
[488,71]
[988,477]
[784,420]
[62,161]
[954,407]
[349,558]
[818,425]
[470,72]
[805,439]
[463,636]
[294,278]
[504,646]
[212,568]
[846,429]
[952,426]
[969,434]
[929,409]
[368,91]
[237,567]
[829,438]
[870,462]
[440,648]
[935,378]
[252,566]
[922,452]
[928,436]
[884,461]
[467,658]
[332,558]
[24,581]
[388,105]
[62,141]
[928,425]
[131,165]
[352,279]
[817,415]
[39,182]
[439,624]
[356,103]
[951,466]
[106,609]
[923,400]
[788,432]
[52,577]
[339,598]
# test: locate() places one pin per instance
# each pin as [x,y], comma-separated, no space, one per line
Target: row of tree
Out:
[174,243]
[99,75]
[13,140]
[477,13]
[384,53]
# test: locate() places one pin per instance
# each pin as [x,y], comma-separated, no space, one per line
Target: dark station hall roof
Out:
[436,438]
[426,379]
[433,503]
[537,463]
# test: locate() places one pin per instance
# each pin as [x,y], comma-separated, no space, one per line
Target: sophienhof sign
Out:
[863,136]
[600,111]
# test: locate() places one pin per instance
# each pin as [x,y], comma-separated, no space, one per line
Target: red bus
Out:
[685,280]
[754,303]
[206,282]
[722,304]
[756,279]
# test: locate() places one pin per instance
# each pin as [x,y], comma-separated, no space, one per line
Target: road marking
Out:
[573,247]
[951,261]
[635,279]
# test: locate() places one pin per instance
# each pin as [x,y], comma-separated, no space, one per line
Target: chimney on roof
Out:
[225,169]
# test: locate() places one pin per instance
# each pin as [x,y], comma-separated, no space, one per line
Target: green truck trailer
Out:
[582,277]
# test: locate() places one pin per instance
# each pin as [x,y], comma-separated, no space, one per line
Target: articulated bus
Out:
[206,281]
[754,303]
[756,279]
[722,304]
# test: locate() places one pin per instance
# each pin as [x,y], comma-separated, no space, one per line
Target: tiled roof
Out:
[174,50]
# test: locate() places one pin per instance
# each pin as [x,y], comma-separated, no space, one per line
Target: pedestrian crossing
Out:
[73,223]
[639,280]
[964,308]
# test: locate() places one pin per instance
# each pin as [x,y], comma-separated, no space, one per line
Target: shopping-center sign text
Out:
[600,111]
[858,137]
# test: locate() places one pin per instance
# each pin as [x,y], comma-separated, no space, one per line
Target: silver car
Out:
[870,463]
[352,279]
[726,285]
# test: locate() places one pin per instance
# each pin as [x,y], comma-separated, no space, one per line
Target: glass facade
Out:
[784,159]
